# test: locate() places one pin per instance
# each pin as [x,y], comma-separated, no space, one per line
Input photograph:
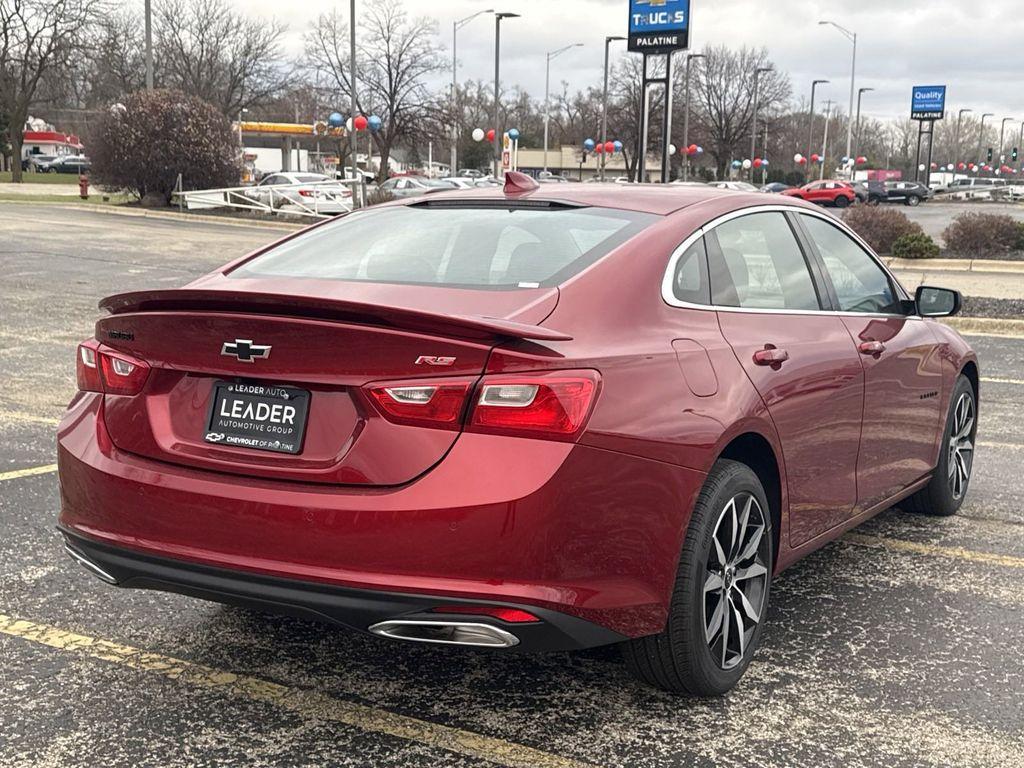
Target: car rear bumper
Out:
[585,533]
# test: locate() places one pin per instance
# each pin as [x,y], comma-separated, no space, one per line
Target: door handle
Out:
[770,356]
[871,347]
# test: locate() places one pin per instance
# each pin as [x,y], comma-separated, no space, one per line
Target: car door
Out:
[798,357]
[902,366]
[817,193]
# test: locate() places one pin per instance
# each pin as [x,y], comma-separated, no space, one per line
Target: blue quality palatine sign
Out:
[928,102]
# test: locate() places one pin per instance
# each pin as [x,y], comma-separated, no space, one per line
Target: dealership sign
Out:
[659,26]
[928,102]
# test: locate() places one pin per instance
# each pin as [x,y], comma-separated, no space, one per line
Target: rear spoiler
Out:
[210,300]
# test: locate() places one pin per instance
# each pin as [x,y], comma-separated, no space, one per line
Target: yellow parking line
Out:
[956,553]
[305,703]
[996,380]
[15,474]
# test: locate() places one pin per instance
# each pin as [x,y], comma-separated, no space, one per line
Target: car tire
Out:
[947,489]
[913,201]
[842,201]
[713,574]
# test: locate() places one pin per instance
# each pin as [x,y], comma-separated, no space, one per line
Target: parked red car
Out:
[526,417]
[827,192]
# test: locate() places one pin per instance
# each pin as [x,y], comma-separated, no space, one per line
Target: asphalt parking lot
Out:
[899,645]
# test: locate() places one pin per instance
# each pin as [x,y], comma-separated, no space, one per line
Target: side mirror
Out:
[937,302]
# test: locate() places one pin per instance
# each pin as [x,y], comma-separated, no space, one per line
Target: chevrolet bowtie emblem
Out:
[245,350]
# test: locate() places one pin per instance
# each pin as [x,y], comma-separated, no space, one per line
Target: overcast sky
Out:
[976,47]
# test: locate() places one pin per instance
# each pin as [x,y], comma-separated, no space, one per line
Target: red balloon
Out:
[609,147]
[692,149]
[803,161]
[861,160]
[815,157]
[960,166]
[490,135]
[599,149]
[757,162]
[360,123]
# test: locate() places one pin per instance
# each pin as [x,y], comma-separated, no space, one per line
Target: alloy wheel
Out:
[961,445]
[736,579]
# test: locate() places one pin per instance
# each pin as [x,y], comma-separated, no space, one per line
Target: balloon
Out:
[798,158]
[588,145]
[335,120]
[861,160]
[348,125]
[478,134]
[360,123]
[935,166]
[960,166]
[815,158]
[671,149]
[746,165]
[618,145]
[692,149]
[374,122]
[764,163]
[700,150]
[920,167]
[490,135]
[513,133]
[757,162]
[609,147]
[949,167]
[599,149]
[736,164]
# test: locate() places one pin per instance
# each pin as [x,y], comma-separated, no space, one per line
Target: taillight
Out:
[101,369]
[438,404]
[552,405]
[307,193]
[511,615]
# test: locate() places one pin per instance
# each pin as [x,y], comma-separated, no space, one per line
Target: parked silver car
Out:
[313,192]
[414,186]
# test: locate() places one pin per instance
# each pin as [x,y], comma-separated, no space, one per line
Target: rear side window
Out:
[756,263]
[690,281]
[485,247]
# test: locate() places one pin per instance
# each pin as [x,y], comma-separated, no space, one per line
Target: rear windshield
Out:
[492,247]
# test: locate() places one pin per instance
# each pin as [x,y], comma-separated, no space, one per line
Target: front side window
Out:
[756,263]
[481,247]
[861,284]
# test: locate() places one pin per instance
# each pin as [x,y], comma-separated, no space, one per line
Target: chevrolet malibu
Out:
[525,417]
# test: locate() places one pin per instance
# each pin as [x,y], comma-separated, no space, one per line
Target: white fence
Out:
[316,199]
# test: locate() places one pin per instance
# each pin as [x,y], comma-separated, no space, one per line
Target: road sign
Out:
[928,102]
[659,26]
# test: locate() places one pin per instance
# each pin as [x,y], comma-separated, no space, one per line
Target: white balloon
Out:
[949,167]
[797,157]
[746,165]
[478,134]
[348,125]
[920,167]
[671,149]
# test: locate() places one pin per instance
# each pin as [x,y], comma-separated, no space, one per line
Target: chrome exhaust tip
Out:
[89,565]
[446,633]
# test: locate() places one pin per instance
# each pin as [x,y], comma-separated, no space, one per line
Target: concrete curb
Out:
[227,221]
[988,326]
[956,265]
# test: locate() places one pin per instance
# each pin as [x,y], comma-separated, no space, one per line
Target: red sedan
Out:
[529,417]
[826,192]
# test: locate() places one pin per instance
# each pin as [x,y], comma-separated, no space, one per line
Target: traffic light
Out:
[1014,155]
[989,155]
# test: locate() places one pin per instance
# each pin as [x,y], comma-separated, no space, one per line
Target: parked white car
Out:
[311,192]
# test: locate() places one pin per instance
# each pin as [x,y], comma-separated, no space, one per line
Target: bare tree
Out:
[396,55]
[208,50]
[723,91]
[37,37]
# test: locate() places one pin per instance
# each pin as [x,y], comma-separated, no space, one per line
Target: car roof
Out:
[660,199]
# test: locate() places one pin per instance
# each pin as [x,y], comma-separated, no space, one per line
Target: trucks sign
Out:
[659,26]
[928,102]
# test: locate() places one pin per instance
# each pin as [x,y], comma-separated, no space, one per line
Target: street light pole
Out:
[149,45]
[956,138]
[547,83]
[852,37]
[810,126]
[604,100]
[498,133]
[824,141]
[686,115]
[981,133]
[456,112]
[856,146]
[753,123]
[352,83]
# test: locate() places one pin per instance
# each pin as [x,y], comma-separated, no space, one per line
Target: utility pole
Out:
[753,124]
[810,123]
[956,139]
[824,143]
[547,88]
[498,133]
[352,86]
[456,112]
[856,146]
[852,37]
[149,45]
[686,115]
[604,101]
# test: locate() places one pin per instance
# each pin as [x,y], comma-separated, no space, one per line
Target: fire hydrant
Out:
[83,187]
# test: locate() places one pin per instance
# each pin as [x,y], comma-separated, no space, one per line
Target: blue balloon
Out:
[764,163]
[700,150]
[374,123]
[588,144]
[618,145]
[336,120]
[513,133]
[736,164]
